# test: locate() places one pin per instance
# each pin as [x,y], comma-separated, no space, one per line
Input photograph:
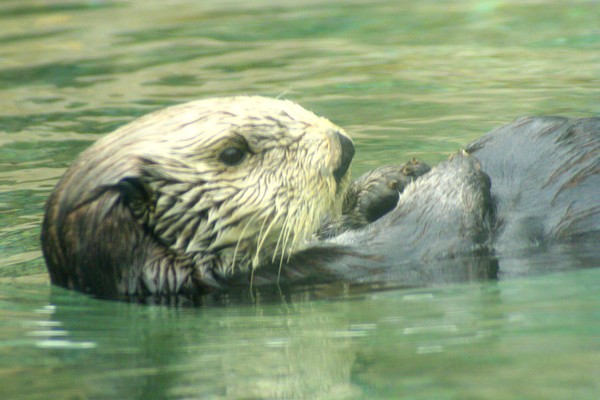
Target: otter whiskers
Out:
[198,193]
[240,238]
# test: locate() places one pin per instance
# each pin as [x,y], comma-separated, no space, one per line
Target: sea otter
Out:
[218,193]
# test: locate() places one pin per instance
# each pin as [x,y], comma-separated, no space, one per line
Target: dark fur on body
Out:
[518,194]
[523,199]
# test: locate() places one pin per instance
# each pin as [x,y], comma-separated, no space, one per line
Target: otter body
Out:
[521,200]
[219,193]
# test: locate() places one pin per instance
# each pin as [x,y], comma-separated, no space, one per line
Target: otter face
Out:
[232,183]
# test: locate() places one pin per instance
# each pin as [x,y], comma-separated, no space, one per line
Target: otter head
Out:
[227,183]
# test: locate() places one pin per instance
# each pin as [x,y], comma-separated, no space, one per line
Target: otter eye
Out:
[232,155]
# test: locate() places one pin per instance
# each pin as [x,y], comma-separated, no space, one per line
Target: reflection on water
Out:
[405,79]
[498,341]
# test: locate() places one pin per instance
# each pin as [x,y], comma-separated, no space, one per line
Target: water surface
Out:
[406,79]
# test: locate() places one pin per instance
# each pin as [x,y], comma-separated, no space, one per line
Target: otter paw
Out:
[373,195]
[377,192]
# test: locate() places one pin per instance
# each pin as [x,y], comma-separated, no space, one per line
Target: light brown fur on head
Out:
[219,185]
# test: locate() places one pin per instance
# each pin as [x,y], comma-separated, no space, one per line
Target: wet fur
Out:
[152,209]
[524,199]
[520,195]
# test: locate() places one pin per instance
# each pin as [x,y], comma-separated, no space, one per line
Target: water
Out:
[405,79]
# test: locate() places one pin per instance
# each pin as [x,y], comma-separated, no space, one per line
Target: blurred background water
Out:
[405,79]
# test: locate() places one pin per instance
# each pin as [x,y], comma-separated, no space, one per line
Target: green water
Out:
[405,79]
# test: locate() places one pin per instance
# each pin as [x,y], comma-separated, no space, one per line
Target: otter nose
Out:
[346,157]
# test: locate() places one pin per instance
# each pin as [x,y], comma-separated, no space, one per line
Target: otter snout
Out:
[347,152]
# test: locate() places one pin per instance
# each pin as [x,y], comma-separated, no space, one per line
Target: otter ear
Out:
[136,195]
